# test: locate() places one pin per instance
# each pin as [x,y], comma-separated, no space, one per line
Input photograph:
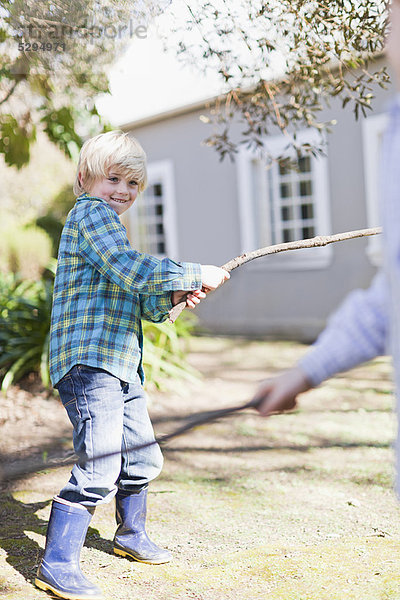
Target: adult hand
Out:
[279,393]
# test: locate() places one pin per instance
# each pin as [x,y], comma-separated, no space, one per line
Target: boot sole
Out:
[46,587]
[126,554]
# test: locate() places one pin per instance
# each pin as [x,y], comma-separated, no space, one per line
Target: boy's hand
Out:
[192,299]
[212,277]
[279,393]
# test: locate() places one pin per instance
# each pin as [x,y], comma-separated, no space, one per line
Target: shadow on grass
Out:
[31,460]
[184,456]
[17,519]
[264,447]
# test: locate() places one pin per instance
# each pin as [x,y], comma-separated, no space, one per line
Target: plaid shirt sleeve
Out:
[155,308]
[104,244]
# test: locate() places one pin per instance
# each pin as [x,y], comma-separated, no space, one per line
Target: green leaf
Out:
[15,141]
[19,368]
[44,362]
[60,127]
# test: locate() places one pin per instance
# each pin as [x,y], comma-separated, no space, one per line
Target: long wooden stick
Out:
[315,242]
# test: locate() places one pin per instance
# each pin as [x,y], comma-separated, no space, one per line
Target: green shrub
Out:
[25,310]
[164,350]
[24,251]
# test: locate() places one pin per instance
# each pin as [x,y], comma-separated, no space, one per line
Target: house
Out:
[197,208]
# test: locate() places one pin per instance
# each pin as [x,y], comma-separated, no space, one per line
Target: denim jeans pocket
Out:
[73,411]
[66,389]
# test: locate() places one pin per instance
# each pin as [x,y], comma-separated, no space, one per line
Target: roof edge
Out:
[173,112]
[200,104]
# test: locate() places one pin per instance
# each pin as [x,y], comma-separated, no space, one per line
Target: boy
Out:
[368,322]
[103,288]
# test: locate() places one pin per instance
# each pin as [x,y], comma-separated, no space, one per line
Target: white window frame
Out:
[252,181]
[372,131]
[161,172]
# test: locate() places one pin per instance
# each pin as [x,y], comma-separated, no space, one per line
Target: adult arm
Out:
[356,332]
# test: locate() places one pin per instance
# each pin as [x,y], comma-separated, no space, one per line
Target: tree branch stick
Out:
[10,92]
[315,242]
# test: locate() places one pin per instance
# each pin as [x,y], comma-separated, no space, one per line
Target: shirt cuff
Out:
[190,278]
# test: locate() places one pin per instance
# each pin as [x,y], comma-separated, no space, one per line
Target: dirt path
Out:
[296,507]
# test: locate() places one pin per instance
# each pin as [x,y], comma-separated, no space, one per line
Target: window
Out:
[291,194]
[373,130]
[152,218]
[284,203]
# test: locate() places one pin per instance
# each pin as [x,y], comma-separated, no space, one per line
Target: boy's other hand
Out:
[192,299]
[279,393]
[212,277]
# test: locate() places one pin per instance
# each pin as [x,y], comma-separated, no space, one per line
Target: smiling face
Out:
[393,40]
[117,190]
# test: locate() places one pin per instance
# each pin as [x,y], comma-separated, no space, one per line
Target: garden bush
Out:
[164,350]
[25,310]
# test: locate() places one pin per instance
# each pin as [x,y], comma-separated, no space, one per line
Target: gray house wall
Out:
[291,303]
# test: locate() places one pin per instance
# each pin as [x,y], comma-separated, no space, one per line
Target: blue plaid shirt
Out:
[103,288]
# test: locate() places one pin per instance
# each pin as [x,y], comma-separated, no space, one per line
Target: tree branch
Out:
[314,242]
[10,92]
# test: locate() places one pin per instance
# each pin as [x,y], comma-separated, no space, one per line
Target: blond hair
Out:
[105,151]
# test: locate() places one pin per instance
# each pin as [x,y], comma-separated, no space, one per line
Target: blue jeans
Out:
[108,415]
